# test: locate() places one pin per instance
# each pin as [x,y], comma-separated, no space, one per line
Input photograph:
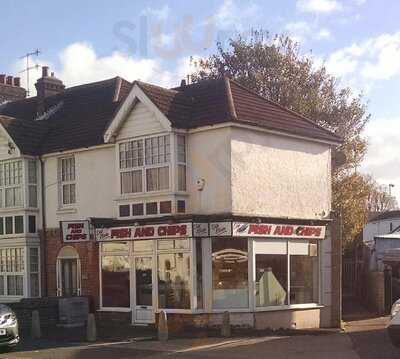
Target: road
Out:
[364,339]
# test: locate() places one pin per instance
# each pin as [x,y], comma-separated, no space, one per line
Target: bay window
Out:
[11,184]
[144,164]
[67,181]
[32,184]
[12,271]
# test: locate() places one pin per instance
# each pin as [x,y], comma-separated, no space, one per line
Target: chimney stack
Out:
[183,83]
[47,86]
[10,89]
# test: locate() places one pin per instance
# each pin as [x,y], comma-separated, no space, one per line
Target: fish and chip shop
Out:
[264,273]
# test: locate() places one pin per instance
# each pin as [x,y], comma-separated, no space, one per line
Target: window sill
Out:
[66,210]
[289,307]
[116,309]
[145,195]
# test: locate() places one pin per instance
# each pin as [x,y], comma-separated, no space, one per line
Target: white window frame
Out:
[144,167]
[29,272]
[67,182]
[5,274]
[180,163]
[16,182]
[76,257]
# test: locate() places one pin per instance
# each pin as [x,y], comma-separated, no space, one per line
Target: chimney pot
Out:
[2,79]
[183,83]
[52,74]
[45,71]
[9,80]
[17,82]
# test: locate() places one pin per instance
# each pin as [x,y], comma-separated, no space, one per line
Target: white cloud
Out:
[159,14]
[80,64]
[382,160]
[319,6]
[302,31]
[361,64]
[232,15]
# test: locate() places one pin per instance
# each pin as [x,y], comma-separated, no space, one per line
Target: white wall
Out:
[377,228]
[209,159]
[279,176]
[140,122]
[96,189]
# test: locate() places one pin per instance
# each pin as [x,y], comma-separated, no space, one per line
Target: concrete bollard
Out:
[226,325]
[35,325]
[163,326]
[91,332]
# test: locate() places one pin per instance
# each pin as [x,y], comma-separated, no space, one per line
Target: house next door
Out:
[143,311]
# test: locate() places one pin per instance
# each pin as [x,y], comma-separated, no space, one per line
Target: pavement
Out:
[362,339]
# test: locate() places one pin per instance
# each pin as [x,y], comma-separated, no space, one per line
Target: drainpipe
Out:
[44,229]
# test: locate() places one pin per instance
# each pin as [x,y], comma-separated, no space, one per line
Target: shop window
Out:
[168,244]
[19,224]
[199,273]
[32,224]
[115,247]
[271,280]
[181,206]
[137,209]
[165,207]
[125,210]
[174,281]
[115,281]
[151,208]
[9,225]
[303,272]
[230,273]
[142,246]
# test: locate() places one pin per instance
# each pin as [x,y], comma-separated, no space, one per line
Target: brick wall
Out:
[47,307]
[376,292]
[89,257]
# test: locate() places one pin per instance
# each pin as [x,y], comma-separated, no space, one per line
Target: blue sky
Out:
[83,41]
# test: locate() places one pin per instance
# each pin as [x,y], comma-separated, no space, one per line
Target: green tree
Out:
[275,68]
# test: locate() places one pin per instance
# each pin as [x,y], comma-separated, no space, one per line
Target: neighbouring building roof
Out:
[79,116]
[380,216]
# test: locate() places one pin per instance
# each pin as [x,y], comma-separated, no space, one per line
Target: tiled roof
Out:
[79,116]
[216,101]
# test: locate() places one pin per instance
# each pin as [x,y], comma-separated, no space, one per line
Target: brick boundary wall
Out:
[47,307]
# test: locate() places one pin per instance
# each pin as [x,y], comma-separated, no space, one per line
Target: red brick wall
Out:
[89,257]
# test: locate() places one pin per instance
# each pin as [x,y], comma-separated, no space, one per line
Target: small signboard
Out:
[75,231]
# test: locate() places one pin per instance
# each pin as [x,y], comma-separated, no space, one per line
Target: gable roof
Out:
[75,118]
[79,116]
[212,102]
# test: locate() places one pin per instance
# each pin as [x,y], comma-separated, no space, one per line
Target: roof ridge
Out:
[138,82]
[285,109]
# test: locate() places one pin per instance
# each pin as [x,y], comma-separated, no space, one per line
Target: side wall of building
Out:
[209,161]
[279,176]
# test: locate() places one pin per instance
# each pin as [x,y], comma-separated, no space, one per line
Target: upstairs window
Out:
[32,184]
[11,184]
[181,157]
[144,165]
[67,181]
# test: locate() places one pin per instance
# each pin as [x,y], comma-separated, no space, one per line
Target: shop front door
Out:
[143,311]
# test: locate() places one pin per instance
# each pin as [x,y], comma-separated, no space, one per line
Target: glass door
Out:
[143,306]
[69,277]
